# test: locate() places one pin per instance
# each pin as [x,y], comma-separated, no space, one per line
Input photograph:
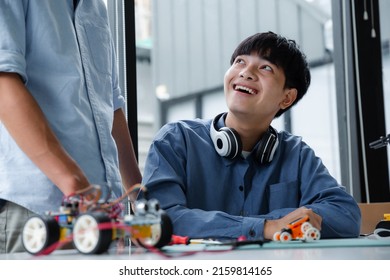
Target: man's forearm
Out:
[26,123]
[127,161]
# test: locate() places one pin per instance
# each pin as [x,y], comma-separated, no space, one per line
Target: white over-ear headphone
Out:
[227,142]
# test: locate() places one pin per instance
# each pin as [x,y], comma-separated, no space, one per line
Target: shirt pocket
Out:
[99,43]
[283,195]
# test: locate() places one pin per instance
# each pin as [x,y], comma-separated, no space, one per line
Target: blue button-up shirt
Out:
[207,195]
[67,61]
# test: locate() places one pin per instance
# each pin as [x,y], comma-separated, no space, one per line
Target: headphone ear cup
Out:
[267,147]
[227,141]
[233,142]
[221,142]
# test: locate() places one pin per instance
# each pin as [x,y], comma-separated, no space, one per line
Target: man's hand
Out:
[272,226]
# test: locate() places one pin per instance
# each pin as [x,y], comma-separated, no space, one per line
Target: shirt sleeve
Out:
[118,98]
[12,34]
[321,192]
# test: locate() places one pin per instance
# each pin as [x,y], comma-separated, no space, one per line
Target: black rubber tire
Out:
[33,226]
[104,236]
[166,231]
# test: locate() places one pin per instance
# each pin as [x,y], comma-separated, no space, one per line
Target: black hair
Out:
[284,53]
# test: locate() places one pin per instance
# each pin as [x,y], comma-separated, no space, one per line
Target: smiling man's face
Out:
[254,88]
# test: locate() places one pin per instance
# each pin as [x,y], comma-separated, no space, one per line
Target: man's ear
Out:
[290,95]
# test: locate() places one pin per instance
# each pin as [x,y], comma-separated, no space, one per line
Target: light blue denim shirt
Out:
[67,62]
[209,196]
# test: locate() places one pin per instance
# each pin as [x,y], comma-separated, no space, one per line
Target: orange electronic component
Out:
[300,229]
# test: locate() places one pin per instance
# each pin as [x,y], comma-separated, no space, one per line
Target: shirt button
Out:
[252,233]
[241,188]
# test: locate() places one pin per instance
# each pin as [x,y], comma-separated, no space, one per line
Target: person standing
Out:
[62,125]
